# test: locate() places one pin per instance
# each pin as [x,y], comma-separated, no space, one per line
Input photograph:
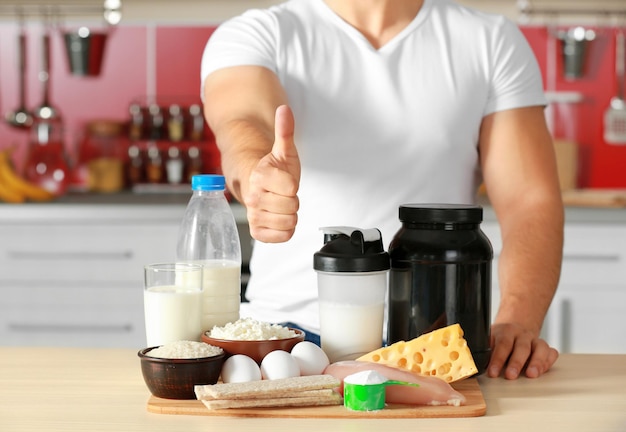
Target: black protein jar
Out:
[441,275]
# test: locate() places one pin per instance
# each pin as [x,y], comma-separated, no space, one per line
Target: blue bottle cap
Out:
[208,182]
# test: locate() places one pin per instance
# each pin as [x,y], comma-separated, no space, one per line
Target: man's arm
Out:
[519,170]
[244,106]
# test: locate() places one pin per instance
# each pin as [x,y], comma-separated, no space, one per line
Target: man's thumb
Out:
[284,146]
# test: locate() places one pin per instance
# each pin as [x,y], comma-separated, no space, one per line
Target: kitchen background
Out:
[71,269]
[153,56]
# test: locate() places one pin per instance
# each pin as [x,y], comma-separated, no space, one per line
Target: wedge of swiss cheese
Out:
[442,353]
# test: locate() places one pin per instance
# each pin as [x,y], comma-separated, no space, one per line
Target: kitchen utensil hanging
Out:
[615,116]
[85,44]
[574,47]
[47,121]
[45,111]
[21,117]
[85,50]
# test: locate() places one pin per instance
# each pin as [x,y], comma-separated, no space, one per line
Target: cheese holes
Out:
[418,358]
[430,364]
[444,369]
[454,355]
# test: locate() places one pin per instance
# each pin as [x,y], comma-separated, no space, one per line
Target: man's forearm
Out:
[240,103]
[241,144]
[530,264]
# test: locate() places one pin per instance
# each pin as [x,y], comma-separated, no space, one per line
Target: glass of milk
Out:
[172,302]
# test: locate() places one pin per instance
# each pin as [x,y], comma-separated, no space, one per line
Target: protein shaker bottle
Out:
[441,275]
[352,269]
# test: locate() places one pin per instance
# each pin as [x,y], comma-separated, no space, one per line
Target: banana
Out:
[15,186]
[10,195]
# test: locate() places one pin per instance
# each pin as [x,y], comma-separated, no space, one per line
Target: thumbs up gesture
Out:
[272,202]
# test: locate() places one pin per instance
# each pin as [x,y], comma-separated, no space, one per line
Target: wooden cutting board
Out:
[474,407]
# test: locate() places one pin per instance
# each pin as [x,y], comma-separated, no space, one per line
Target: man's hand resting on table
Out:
[516,350]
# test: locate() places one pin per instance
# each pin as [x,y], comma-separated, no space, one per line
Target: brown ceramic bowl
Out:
[176,378]
[255,349]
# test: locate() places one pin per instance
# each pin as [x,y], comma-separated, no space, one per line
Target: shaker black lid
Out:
[348,249]
[441,213]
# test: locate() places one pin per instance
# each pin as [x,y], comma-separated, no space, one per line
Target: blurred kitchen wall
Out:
[156,50]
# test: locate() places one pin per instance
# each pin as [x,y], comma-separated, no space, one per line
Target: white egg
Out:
[311,359]
[240,368]
[279,364]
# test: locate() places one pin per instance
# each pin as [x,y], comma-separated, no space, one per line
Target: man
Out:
[336,112]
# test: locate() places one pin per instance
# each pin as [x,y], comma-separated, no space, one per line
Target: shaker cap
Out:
[208,182]
[441,213]
[348,249]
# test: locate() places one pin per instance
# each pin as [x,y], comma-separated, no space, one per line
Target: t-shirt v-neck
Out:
[359,38]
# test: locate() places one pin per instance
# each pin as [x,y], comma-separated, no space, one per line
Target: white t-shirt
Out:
[374,128]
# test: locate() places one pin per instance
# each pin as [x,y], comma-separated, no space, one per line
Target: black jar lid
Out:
[440,213]
[348,249]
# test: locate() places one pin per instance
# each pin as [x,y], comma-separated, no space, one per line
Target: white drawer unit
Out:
[72,275]
[79,252]
[588,320]
[594,255]
[588,310]
[57,316]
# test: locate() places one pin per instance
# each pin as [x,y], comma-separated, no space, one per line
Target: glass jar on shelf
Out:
[137,122]
[154,165]
[174,166]
[157,122]
[100,158]
[196,123]
[194,163]
[46,162]
[175,124]
[135,169]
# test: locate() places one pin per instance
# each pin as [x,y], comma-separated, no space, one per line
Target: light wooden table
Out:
[89,390]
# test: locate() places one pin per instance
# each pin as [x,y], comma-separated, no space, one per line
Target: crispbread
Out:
[326,392]
[277,388]
[331,398]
